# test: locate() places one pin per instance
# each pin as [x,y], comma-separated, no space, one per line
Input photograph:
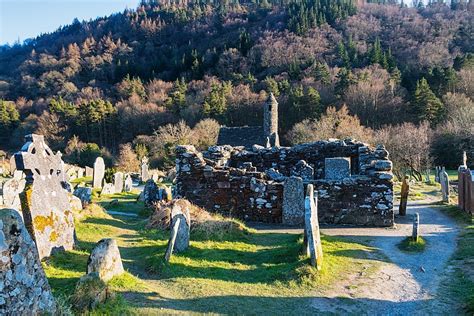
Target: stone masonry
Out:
[248,184]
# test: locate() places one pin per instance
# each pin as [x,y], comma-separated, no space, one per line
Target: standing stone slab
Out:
[172,240]
[128,183]
[444,180]
[416,227]
[293,201]
[118,182]
[337,168]
[144,174]
[180,211]
[105,260]
[402,210]
[45,204]
[89,172]
[313,237]
[24,288]
[99,172]
[80,172]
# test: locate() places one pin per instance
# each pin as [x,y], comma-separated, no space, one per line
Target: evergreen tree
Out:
[376,53]
[426,105]
[345,79]
[321,73]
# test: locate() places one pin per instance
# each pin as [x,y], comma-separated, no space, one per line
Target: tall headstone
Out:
[45,204]
[416,227]
[444,180]
[313,237]
[118,182]
[24,288]
[80,172]
[89,171]
[437,174]
[337,168]
[402,210]
[180,210]
[128,183]
[145,175]
[99,172]
[293,201]
[172,240]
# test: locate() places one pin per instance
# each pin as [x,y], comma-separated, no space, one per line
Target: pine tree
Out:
[426,105]
[376,53]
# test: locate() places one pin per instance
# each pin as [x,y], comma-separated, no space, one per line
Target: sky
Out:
[22,19]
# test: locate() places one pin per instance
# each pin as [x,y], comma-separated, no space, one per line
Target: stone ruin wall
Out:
[238,182]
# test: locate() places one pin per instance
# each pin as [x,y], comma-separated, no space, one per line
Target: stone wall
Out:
[249,184]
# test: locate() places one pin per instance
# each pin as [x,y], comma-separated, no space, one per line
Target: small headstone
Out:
[313,237]
[76,203]
[150,193]
[105,260]
[416,227]
[89,172]
[180,210]
[80,172]
[118,182]
[172,240]
[44,201]
[11,192]
[128,183]
[303,170]
[337,168]
[108,189]
[402,210]
[84,194]
[99,172]
[444,180]
[24,288]
[293,201]
[145,176]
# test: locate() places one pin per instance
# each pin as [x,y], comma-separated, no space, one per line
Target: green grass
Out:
[254,273]
[418,190]
[409,244]
[86,180]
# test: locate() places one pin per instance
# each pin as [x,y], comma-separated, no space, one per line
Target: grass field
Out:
[244,270]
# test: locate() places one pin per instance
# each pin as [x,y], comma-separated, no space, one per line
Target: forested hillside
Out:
[407,73]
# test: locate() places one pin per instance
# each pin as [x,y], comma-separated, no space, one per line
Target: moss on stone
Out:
[54,236]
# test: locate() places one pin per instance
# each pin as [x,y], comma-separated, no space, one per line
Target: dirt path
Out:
[405,284]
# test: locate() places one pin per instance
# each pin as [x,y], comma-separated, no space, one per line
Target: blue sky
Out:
[22,19]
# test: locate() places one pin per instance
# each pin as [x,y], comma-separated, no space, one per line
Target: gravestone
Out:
[428,176]
[11,192]
[180,210]
[105,260]
[24,288]
[45,204]
[444,180]
[402,210]
[437,174]
[108,189]
[293,201]
[80,172]
[172,240]
[118,182]
[337,168]
[416,227]
[128,183]
[145,176]
[313,238]
[84,194]
[303,170]
[89,172]
[150,193]
[99,172]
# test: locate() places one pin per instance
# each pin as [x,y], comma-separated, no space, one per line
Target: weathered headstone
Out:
[128,183]
[76,203]
[402,210]
[437,174]
[105,260]
[84,194]
[313,237]
[416,227]
[172,240]
[428,176]
[293,201]
[80,172]
[108,189]
[144,174]
[444,180]
[303,170]
[99,172]
[337,168]
[24,288]
[45,204]
[118,182]
[89,172]
[180,211]
[11,192]
[150,193]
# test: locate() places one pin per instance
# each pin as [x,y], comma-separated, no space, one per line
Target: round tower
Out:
[270,121]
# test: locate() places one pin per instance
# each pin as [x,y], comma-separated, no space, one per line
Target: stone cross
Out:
[99,172]
[402,210]
[145,176]
[313,238]
[45,204]
[444,180]
[416,227]
[293,201]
